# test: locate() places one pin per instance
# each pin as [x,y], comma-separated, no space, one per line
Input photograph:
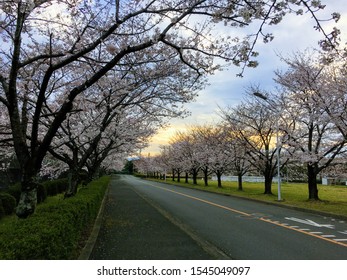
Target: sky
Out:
[293,34]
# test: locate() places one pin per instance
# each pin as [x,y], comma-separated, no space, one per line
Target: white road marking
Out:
[310,222]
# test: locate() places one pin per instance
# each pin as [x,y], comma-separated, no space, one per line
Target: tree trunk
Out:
[312,182]
[219,179]
[268,185]
[206,176]
[95,171]
[268,174]
[73,183]
[173,175]
[239,181]
[186,180]
[178,176]
[28,198]
[195,176]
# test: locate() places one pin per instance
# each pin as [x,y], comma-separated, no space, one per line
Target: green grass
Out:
[333,198]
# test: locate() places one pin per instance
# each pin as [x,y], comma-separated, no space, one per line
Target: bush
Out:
[41,193]
[55,229]
[51,188]
[15,191]
[48,188]
[8,203]
[54,187]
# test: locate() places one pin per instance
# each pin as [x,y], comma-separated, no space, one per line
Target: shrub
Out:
[62,184]
[54,187]
[47,188]
[51,188]
[15,191]
[41,193]
[8,203]
[55,229]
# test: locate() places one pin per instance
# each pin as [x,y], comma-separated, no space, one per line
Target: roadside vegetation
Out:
[57,230]
[333,198]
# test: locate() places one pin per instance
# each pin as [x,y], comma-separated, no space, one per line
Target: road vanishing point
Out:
[150,220]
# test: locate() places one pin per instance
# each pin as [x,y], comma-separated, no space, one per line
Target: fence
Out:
[256,179]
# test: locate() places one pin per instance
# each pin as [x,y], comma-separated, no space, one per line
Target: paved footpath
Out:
[132,229]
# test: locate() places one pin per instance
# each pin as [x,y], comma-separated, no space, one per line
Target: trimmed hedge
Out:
[44,189]
[54,187]
[53,232]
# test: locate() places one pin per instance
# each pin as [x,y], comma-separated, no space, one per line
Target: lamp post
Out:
[262,96]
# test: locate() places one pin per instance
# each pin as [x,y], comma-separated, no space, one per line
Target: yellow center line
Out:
[249,215]
[204,201]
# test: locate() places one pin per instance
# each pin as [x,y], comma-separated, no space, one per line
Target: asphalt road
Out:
[130,228]
[245,229]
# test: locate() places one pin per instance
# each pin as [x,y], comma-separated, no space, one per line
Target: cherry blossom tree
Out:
[202,148]
[172,159]
[127,135]
[165,160]
[190,150]
[211,150]
[332,81]
[116,161]
[143,102]
[88,139]
[237,152]
[254,123]
[201,136]
[178,156]
[142,165]
[61,48]
[310,101]
[152,166]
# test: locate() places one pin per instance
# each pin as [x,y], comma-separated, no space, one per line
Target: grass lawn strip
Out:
[333,198]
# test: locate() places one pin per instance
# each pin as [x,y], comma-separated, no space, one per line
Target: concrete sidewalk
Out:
[132,229]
